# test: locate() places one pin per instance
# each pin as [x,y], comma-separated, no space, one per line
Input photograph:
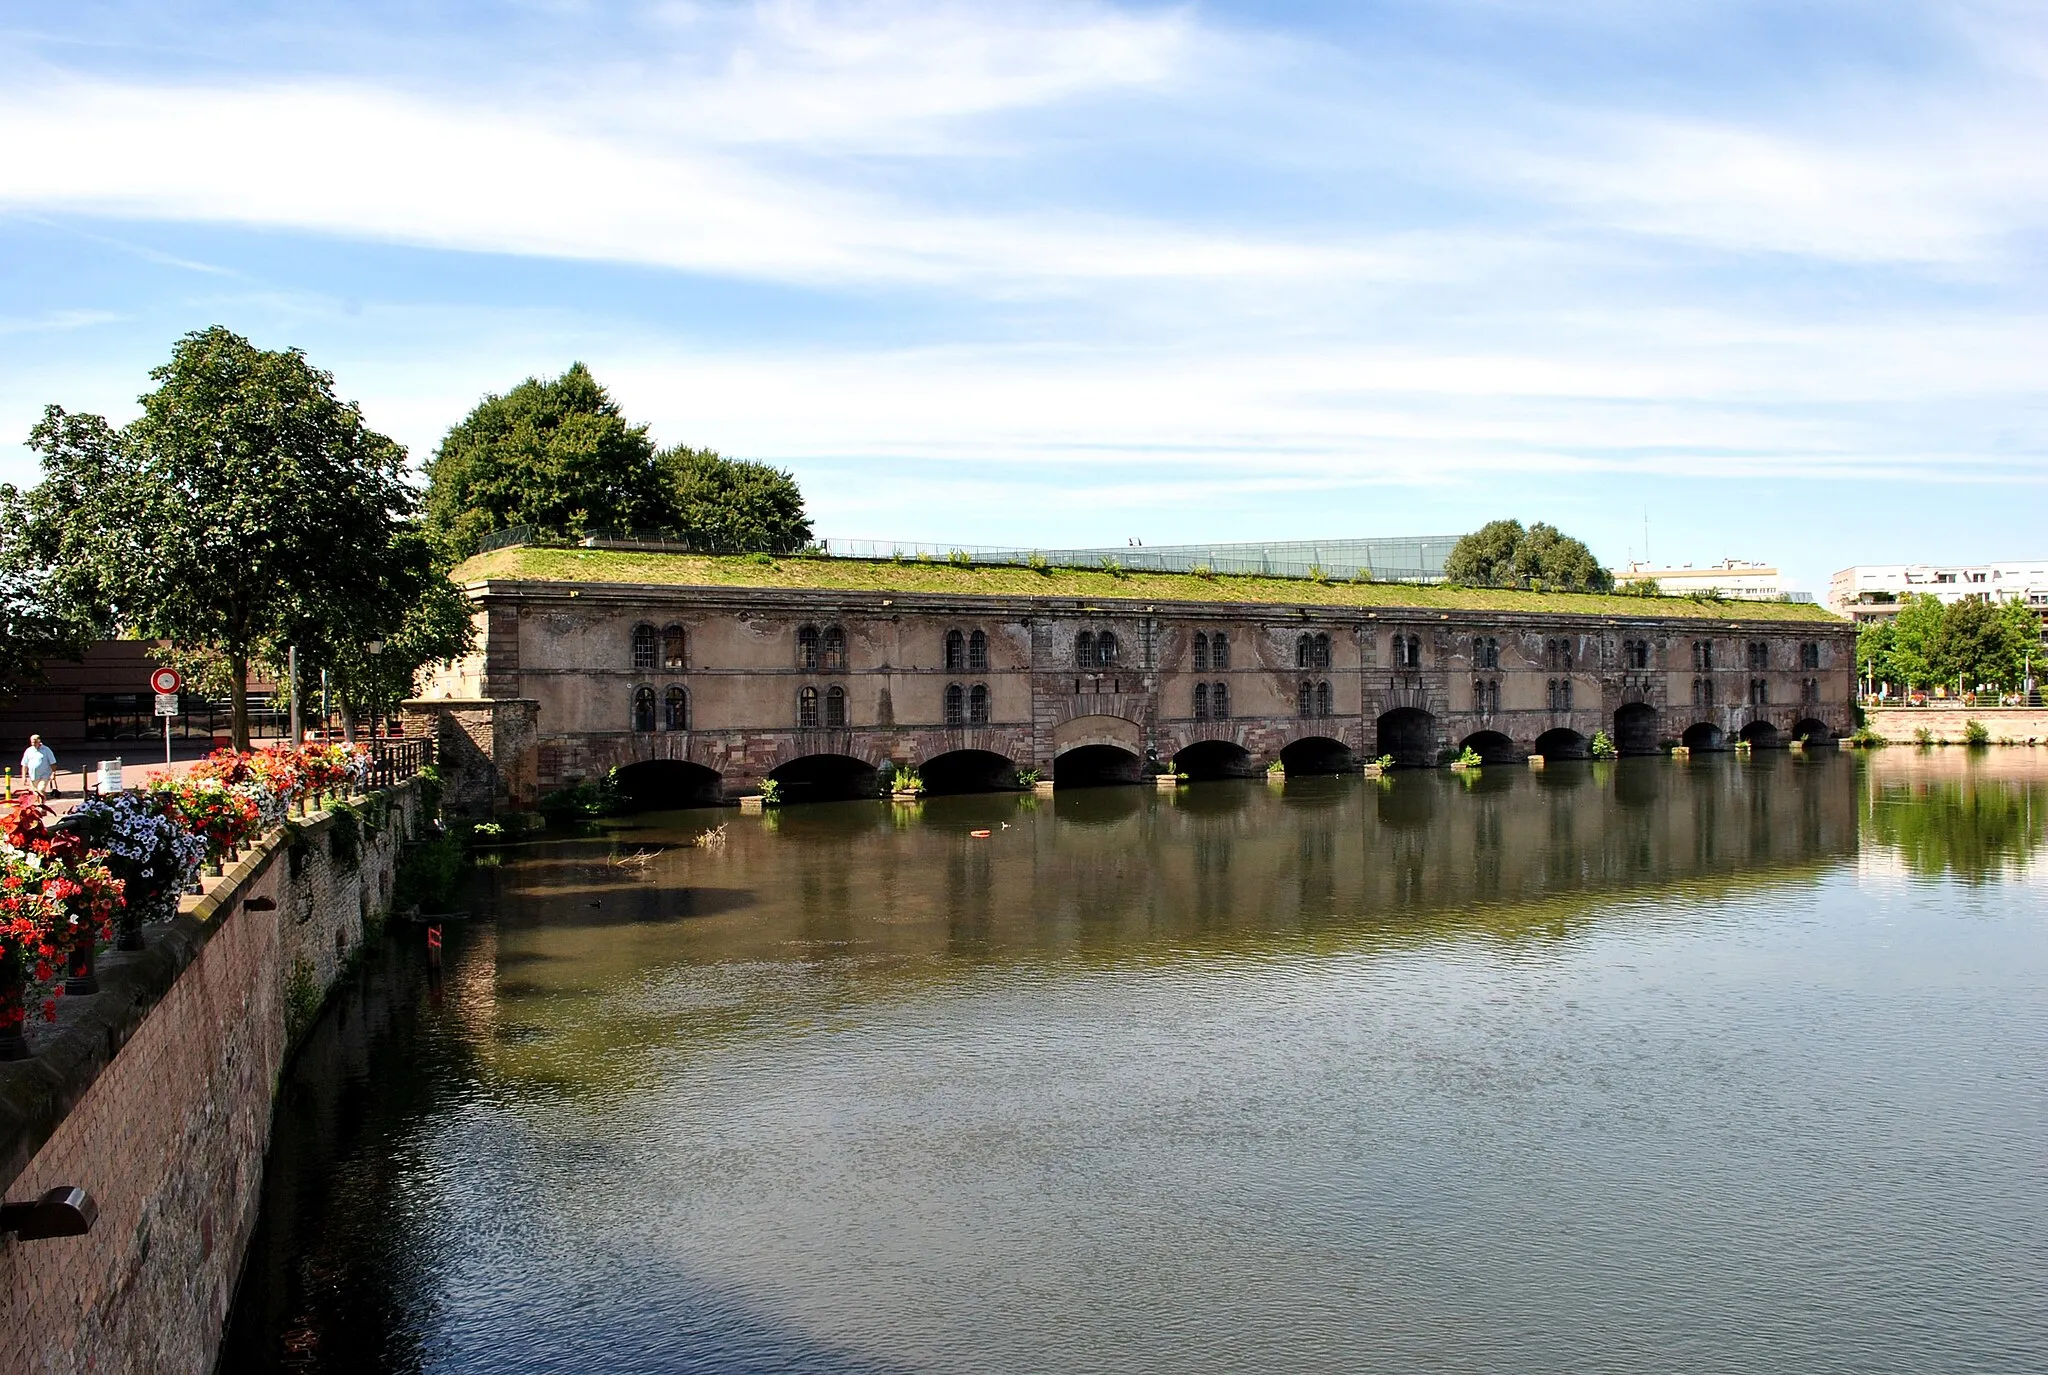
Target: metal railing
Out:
[394,761]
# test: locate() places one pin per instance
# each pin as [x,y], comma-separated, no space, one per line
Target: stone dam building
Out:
[700,691]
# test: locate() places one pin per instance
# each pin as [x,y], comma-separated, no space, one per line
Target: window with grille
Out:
[835,707]
[1759,692]
[1084,649]
[1305,699]
[956,705]
[1635,653]
[807,647]
[1486,652]
[1105,650]
[1809,691]
[643,646]
[1703,655]
[1201,701]
[956,651]
[977,705]
[807,709]
[1201,654]
[1323,695]
[674,644]
[832,652]
[1219,701]
[1809,654]
[1759,654]
[643,708]
[678,714]
[977,652]
[1219,651]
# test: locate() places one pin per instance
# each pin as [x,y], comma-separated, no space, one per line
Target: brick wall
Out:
[155,1095]
[2016,725]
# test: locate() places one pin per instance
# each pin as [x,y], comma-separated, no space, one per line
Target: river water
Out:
[1733,1065]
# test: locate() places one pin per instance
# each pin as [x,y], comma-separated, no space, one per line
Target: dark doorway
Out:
[1563,743]
[1762,735]
[1702,736]
[1097,766]
[1215,759]
[1635,729]
[1317,754]
[664,784]
[1491,746]
[1409,735]
[825,778]
[967,771]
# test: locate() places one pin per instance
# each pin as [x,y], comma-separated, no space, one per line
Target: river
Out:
[1736,1064]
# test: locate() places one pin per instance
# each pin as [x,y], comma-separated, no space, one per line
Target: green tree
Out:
[37,620]
[559,455]
[731,505]
[2021,627]
[1503,554]
[1970,646]
[1874,649]
[245,506]
[1916,632]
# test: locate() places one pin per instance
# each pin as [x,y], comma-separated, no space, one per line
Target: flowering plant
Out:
[155,858]
[220,815]
[56,895]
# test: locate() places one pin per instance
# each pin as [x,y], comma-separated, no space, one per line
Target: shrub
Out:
[1384,762]
[1469,757]
[960,558]
[1275,769]
[907,781]
[345,838]
[1923,737]
[771,792]
[1976,733]
[1203,570]
[1113,568]
[1027,778]
[1602,747]
[428,874]
[301,998]
[1038,563]
[587,799]
[1866,739]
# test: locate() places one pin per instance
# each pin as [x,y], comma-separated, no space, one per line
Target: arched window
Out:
[1323,697]
[1759,654]
[835,707]
[1201,654]
[807,648]
[1319,651]
[1635,653]
[1105,649]
[956,705]
[977,705]
[1759,692]
[1703,692]
[1219,701]
[1201,701]
[1302,654]
[834,653]
[1084,649]
[1703,655]
[1408,651]
[977,652]
[1809,654]
[1486,652]
[807,709]
[678,714]
[643,708]
[673,643]
[956,651]
[1219,651]
[643,647]
[1809,690]
[1305,699]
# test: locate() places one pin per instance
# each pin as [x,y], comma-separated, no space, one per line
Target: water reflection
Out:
[1974,815]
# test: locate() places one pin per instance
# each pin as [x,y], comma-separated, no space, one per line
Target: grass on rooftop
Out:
[530,564]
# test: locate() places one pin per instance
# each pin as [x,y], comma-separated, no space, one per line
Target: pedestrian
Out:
[39,767]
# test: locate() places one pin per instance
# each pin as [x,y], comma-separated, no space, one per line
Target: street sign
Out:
[167,704]
[164,682]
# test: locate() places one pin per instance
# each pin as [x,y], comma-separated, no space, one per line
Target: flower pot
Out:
[80,975]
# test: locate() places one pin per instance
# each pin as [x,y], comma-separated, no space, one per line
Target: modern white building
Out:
[1729,578]
[1873,592]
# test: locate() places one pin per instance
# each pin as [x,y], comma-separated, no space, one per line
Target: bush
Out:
[1038,563]
[1976,733]
[1275,768]
[1384,762]
[601,798]
[960,558]
[1602,746]
[429,872]
[1923,737]
[1867,739]
[1469,757]
[771,792]
[1027,778]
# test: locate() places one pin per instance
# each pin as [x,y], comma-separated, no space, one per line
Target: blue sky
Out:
[1057,274]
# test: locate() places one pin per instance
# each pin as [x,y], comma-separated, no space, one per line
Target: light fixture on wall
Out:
[65,1211]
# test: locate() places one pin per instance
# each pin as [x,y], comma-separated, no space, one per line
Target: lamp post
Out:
[375,647]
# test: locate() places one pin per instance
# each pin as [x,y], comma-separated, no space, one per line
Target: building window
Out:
[1219,651]
[956,652]
[1703,692]
[1759,654]
[807,709]
[643,647]
[977,653]
[977,705]
[678,715]
[1201,655]
[1486,652]
[1703,656]
[1408,651]
[1635,654]
[807,648]
[1305,699]
[643,708]
[1323,693]
[1809,654]
[956,705]
[1809,691]
[1312,651]
[1201,701]
[673,645]
[835,707]
[1105,650]
[1084,649]
[1560,694]
[1558,653]
[1485,696]
[1759,692]
[833,655]
[1219,701]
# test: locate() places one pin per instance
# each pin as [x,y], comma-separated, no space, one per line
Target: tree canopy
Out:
[1503,554]
[1972,641]
[38,621]
[560,456]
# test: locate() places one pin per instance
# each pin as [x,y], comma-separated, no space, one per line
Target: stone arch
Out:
[1813,731]
[1703,736]
[824,778]
[1635,728]
[1562,742]
[1099,729]
[1491,746]
[1761,734]
[665,784]
[1216,759]
[1409,735]
[1314,754]
[967,771]
[1097,765]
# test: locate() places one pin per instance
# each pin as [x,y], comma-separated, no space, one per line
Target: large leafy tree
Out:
[37,620]
[731,505]
[245,509]
[1503,554]
[557,454]
[1916,658]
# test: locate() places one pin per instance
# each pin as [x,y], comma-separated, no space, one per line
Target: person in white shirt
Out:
[39,767]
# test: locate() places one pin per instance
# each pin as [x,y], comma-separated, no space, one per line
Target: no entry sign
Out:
[166,681]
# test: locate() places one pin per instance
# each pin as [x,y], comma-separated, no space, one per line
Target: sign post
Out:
[165,682]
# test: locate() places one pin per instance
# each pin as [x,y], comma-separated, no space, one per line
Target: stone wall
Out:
[2008,725]
[155,1095]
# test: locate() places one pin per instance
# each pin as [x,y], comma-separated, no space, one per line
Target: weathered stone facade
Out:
[154,1095]
[736,684]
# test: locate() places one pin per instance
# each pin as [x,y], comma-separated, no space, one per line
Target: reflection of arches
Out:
[1094,766]
[1701,735]
[824,778]
[966,771]
[1409,735]
[1491,746]
[1562,743]
[1216,759]
[662,784]
[1762,734]
[1635,729]
[1317,754]
[1813,732]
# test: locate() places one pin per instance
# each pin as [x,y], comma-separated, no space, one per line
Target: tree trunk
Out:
[348,719]
[238,695]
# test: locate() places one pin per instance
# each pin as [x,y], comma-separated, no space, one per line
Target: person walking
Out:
[39,767]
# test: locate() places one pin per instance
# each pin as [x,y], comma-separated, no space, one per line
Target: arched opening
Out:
[1491,746]
[1317,754]
[1702,736]
[824,778]
[967,771]
[1635,729]
[1409,735]
[1216,759]
[1096,766]
[643,709]
[667,784]
[674,649]
[1813,732]
[1761,734]
[676,709]
[1562,743]
[956,652]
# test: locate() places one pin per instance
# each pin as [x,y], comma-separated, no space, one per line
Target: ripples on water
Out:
[1735,1065]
